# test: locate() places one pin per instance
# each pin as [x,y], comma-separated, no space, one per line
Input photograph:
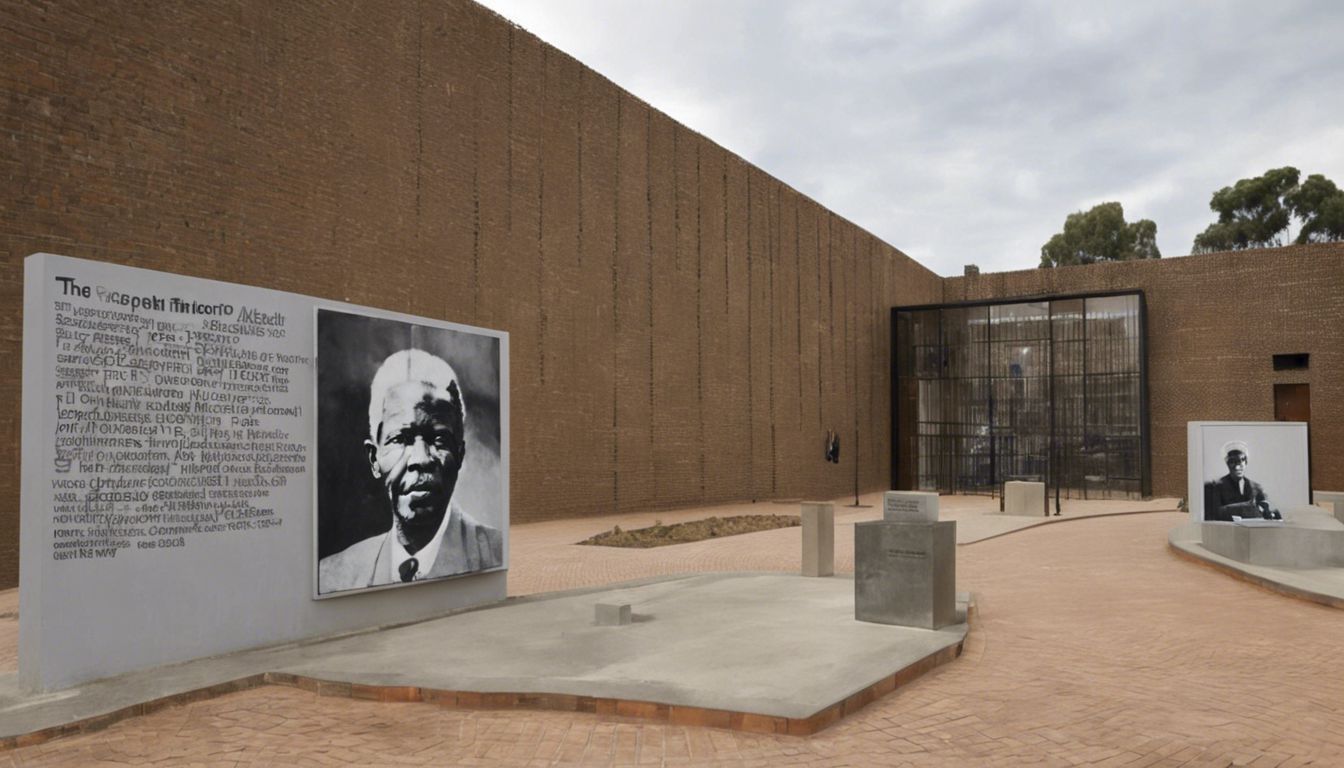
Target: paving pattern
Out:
[1094,646]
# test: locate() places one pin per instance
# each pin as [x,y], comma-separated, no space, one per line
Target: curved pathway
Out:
[1094,646]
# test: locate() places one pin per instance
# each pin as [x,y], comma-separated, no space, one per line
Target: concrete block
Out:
[910,507]
[818,539]
[1332,500]
[906,573]
[1285,546]
[613,614]
[1023,498]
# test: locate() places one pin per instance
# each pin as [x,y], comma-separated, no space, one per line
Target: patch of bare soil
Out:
[659,535]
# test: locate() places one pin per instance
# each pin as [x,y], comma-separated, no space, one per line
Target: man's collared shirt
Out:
[424,557]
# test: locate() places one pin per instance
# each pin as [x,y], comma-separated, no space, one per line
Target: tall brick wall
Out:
[1214,323]
[684,327]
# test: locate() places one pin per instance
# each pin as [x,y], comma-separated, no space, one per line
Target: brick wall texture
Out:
[684,327]
[1215,321]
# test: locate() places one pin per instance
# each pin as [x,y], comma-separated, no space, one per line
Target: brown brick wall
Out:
[1214,323]
[684,327]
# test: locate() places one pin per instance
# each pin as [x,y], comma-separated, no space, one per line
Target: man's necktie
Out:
[408,568]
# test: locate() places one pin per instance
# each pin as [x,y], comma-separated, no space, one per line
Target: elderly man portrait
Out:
[415,449]
[1235,494]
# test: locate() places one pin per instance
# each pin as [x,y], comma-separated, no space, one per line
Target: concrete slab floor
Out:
[770,644]
[1094,645]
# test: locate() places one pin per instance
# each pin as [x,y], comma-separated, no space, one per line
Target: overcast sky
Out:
[964,132]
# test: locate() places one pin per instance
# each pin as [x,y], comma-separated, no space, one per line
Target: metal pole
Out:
[856,455]
[1050,472]
[1054,439]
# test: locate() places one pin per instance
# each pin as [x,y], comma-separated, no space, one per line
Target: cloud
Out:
[964,132]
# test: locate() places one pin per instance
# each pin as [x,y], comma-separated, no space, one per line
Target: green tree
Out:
[1101,234]
[1257,212]
[1251,213]
[1319,204]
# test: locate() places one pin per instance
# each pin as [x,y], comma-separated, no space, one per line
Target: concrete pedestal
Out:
[612,614]
[1286,546]
[906,573]
[1333,500]
[818,539]
[1023,498]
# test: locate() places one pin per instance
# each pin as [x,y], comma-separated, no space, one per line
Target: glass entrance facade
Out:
[1051,390]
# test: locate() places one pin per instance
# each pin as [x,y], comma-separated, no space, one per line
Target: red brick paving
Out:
[1094,646]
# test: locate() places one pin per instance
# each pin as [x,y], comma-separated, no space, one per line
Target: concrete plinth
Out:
[905,573]
[1023,498]
[1332,500]
[1304,545]
[612,614]
[818,539]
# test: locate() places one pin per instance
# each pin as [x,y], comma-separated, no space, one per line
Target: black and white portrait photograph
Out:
[1248,471]
[410,478]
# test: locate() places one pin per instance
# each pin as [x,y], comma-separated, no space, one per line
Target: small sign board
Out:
[910,507]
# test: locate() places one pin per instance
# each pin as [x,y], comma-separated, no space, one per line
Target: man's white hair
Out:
[411,365]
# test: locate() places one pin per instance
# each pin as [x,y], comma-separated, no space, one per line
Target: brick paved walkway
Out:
[1094,646]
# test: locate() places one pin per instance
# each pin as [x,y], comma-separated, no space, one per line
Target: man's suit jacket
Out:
[467,546]
[1222,499]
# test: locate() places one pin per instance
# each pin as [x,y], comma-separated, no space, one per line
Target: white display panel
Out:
[169,471]
[1276,468]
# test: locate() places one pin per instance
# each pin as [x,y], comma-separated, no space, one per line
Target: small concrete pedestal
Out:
[1023,498]
[906,573]
[1333,500]
[818,539]
[613,614]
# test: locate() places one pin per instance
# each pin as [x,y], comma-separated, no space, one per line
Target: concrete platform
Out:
[1319,585]
[764,652]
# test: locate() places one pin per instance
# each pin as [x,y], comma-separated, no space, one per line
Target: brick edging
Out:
[672,714]
[1318,598]
[99,722]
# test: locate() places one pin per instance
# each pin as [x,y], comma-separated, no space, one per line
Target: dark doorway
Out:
[1292,402]
[1047,389]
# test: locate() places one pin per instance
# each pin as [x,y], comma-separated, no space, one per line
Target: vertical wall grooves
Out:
[879,353]
[798,307]
[727,283]
[699,320]
[751,360]
[821,425]
[578,161]
[676,201]
[830,295]
[648,272]
[419,108]
[541,224]
[476,210]
[821,335]
[616,320]
[773,214]
[851,363]
[508,131]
